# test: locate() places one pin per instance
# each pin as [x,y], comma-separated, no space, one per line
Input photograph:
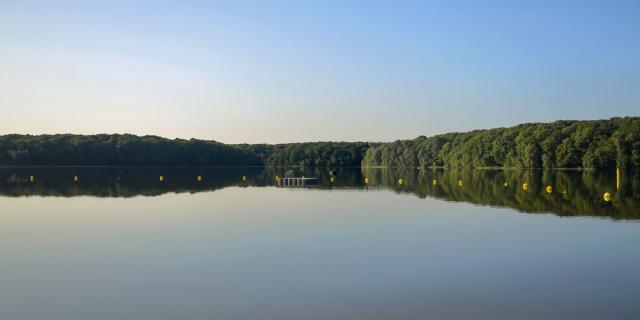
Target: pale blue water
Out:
[312,253]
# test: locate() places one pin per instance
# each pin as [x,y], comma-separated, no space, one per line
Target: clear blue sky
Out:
[287,71]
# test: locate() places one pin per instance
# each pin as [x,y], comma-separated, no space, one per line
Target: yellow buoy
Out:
[549,189]
[161,178]
[506,184]
[199,178]
[459,183]
[32,178]
[400,181]
[607,196]
[525,186]
[75,178]
[434,182]
[366,180]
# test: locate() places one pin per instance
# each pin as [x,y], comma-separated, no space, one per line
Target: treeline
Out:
[311,154]
[561,144]
[116,149]
[131,150]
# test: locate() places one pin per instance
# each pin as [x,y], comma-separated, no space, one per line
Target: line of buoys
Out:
[525,186]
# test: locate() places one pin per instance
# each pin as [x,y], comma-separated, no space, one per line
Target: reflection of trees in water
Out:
[572,192]
[145,181]
[118,181]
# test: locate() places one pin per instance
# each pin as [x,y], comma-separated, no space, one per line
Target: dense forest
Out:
[311,154]
[121,150]
[561,144]
[118,150]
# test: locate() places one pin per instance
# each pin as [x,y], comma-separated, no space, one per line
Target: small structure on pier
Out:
[290,180]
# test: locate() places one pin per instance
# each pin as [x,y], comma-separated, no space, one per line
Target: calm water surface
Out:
[121,244]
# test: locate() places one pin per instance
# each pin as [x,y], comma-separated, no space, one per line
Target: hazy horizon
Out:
[256,72]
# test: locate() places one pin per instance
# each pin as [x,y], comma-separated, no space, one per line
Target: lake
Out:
[228,243]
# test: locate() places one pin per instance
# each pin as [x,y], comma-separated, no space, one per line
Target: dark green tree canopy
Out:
[102,149]
[131,150]
[560,144]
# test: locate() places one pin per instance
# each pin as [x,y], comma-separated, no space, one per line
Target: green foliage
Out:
[102,150]
[311,154]
[561,144]
[131,150]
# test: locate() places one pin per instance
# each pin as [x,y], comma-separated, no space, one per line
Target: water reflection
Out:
[565,193]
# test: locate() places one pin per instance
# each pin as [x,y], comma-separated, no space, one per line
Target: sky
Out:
[292,71]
